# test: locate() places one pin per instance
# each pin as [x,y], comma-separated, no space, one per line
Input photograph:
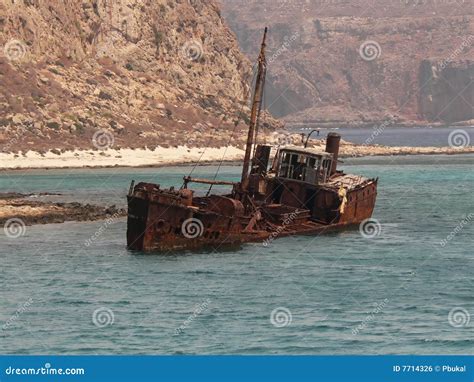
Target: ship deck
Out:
[348,181]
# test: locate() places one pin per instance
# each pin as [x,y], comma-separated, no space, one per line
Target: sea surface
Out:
[423,136]
[406,287]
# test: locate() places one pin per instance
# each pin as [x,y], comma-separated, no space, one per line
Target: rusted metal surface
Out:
[301,192]
[332,146]
[168,219]
[188,179]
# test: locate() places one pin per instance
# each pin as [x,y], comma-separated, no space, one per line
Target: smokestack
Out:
[332,146]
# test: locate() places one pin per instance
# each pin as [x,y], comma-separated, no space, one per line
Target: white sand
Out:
[120,157]
[177,155]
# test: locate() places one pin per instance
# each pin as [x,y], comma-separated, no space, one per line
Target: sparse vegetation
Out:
[159,36]
[53,125]
[54,71]
[105,96]
[80,130]
[243,117]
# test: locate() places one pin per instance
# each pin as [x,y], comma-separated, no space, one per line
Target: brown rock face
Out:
[447,93]
[148,72]
[359,61]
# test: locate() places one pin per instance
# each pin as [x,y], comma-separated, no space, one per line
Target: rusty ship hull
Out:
[298,191]
[173,220]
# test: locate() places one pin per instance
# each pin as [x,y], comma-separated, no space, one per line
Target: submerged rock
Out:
[27,210]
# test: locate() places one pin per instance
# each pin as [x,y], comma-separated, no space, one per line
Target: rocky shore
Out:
[20,209]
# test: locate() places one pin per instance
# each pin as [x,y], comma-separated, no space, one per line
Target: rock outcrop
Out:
[447,91]
[350,62]
[121,73]
[17,210]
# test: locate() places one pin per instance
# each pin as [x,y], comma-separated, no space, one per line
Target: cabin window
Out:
[291,166]
[326,169]
[285,165]
[298,167]
[301,167]
[311,170]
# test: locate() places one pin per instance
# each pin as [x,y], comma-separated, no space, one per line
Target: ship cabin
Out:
[304,165]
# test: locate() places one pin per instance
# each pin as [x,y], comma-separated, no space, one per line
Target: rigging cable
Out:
[237,122]
[239,118]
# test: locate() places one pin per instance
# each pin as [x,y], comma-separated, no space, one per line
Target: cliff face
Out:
[142,72]
[448,91]
[356,61]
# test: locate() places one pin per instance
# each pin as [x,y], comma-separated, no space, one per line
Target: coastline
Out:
[109,158]
[183,156]
[19,210]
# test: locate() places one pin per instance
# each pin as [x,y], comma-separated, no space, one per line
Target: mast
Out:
[255,114]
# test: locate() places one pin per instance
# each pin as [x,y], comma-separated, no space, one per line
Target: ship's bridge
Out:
[303,164]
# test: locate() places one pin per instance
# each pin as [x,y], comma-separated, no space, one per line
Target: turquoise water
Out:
[345,293]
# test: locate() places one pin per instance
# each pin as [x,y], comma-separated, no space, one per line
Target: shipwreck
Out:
[298,190]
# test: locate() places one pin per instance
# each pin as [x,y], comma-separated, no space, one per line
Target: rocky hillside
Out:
[448,93]
[121,73]
[347,62]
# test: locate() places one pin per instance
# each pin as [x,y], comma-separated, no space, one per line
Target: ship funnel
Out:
[332,146]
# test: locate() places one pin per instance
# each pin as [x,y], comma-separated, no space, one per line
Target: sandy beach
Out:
[120,157]
[182,155]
